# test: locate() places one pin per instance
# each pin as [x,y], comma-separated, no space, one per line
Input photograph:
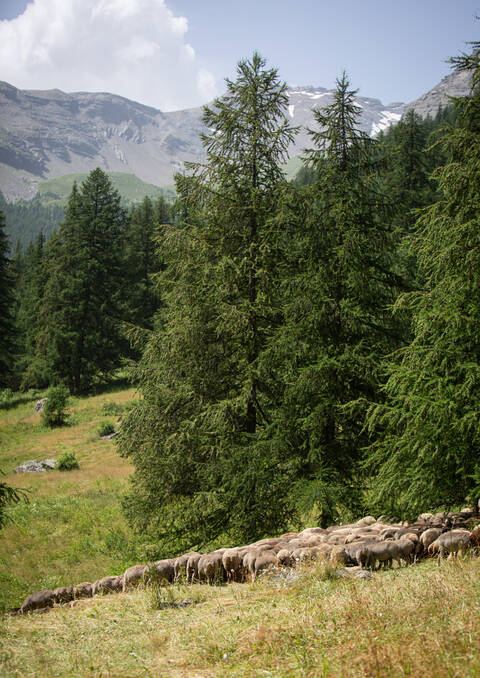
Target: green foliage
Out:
[426,452]
[8,497]
[112,408]
[67,462]
[6,307]
[199,438]
[54,412]
[106,428]
[80,334]
[337,288]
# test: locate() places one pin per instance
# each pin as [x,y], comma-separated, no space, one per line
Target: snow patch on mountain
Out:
[385,121]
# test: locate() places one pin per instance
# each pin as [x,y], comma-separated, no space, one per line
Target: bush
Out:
[113,409]
[67,462]
[54,410]
[106,428]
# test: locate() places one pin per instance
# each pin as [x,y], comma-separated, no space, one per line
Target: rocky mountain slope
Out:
[48,134]
[455,84]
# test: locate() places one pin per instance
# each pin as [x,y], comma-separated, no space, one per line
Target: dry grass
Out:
[417,621]
[73,528]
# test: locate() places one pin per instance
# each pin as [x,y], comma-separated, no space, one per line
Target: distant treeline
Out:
[305,348]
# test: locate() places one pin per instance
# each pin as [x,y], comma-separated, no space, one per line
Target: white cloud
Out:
[135,48]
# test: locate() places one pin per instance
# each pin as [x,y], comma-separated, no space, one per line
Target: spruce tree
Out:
[426,454]
[141,261]
[80,336]
[6,306]
[204,465]
[338,324]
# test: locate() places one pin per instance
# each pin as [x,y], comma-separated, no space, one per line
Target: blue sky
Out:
[391,50]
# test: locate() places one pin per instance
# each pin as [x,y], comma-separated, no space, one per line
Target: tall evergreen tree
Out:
[199,439]
[338,325]
[80,337]
[141,261]
[6,306]
[428,428]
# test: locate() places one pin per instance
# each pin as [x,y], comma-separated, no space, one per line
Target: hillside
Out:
[49,134]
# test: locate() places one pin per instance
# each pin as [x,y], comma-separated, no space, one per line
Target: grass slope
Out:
[131,188]
[72,529]
[416,621]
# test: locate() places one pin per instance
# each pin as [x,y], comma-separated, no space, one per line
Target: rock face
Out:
[48,134]
[34,466]
[455,84]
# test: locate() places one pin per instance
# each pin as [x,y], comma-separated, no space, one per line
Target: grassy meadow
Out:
[415,621]
[72,529]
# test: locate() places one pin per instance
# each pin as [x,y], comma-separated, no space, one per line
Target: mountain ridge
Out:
[46,134]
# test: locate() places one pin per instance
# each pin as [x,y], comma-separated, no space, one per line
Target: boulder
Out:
[39,405]
[34,466]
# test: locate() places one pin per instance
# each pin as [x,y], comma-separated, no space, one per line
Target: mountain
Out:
[455,84]
[48,134]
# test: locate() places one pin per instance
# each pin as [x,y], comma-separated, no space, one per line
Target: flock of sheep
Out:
[368,543]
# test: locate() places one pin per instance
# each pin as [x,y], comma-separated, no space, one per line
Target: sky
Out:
[174,54]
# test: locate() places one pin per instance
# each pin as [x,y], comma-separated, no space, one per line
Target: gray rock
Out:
[39,405]
[34,466]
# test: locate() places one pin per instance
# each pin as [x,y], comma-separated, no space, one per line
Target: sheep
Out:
[133,576]
[191,569]
[406,548]
[83,590]
[429,536]
[339,556]
[161,571]
[210,567]
[284,557]
[452,542]
[63,594]
[108,584]
[180,565]
[385,552]
[38,601]
[264,561]
[368,520]
[232,561]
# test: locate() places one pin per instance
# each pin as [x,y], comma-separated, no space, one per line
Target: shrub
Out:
[67,462]
[113,409]
[106,428]
[54,411]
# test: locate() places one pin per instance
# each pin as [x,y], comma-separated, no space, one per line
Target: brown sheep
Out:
[232,561]
[265,561]
[38,601]
[284,557]
[133,576]
[452,542]
[210,567]
[63,594]
[161,572]
[339,556]
[191,569]
[384,552]
[108,584]
[83,590]
[180,565]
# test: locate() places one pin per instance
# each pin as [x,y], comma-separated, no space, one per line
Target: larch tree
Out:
[338,325]
[428,428]
[199,440]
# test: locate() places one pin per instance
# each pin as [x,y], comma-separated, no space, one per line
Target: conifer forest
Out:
[305,347]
